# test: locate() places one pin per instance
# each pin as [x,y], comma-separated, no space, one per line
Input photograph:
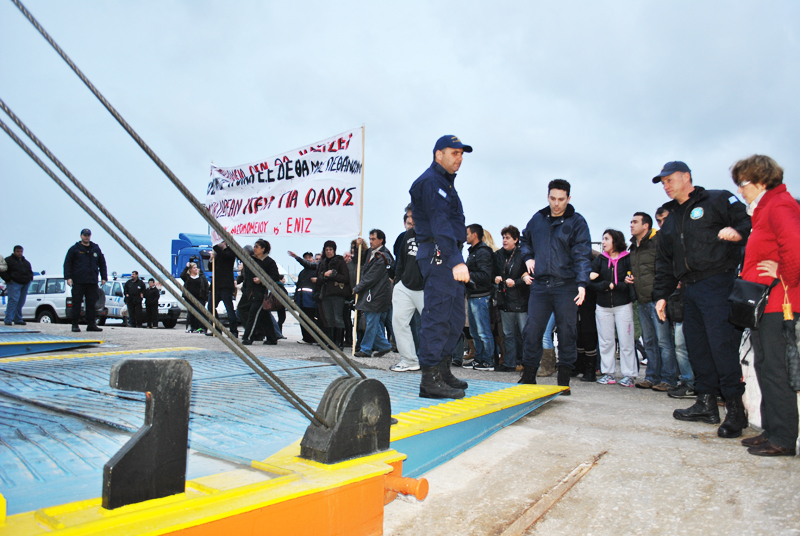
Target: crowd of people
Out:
[497,309]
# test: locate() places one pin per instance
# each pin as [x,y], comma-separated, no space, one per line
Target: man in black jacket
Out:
[407,298]
[700,246]
[18,276]
[134,292]
[480,263]
[151,296]
[82,264]
[304,292]
[223,260]
[557,250]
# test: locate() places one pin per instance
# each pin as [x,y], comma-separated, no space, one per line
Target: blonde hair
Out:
[489,241]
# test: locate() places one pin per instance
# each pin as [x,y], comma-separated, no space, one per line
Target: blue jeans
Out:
[550,296]
[16,294]
[374,339]
[513,329]
[682,356]
[547,339]
[480,328]
[658,342]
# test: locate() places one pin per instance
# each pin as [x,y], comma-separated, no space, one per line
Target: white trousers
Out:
[620,317]
[404,303]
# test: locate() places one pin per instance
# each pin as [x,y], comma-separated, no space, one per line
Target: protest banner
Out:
[315,190]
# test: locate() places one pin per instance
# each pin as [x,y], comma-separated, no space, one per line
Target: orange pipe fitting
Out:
[407,486]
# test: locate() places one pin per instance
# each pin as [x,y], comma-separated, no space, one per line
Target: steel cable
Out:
[335,353]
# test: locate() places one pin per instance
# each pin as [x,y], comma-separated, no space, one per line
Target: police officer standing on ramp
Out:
[81,266]
[441,232]
[700,246]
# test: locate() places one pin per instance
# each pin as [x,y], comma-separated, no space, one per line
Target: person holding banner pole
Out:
[441,233]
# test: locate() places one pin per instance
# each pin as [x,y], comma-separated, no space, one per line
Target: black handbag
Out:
[747,302]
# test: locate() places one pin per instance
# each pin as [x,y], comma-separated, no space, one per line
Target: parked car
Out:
[50,300]
[169,309]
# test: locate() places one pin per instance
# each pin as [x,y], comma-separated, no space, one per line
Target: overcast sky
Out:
[599,93]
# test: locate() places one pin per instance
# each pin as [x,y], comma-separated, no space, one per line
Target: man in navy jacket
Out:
[556,247]
[81,266]
[441,232]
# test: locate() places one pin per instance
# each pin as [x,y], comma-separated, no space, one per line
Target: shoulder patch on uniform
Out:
[442,193]
[696,213]
[733,199]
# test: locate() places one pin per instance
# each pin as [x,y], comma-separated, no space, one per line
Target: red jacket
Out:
[776,237]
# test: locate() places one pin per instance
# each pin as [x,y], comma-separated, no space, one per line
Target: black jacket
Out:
[305,287]
[270,267]
[134,290]
[19,270]
[375,287]
[83,263]
[688,246]
[223,268]
[509,265]
[622,293]
[197,287]
[338,283]
[480,262]
[151,296]
[406,267]
[560,246]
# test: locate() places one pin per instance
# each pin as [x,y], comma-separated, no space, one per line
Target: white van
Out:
[50,300]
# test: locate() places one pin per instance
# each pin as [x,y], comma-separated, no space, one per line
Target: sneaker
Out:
[467,363]
[402,367]
[200,330]
[75,328]
[457,362]
[626,382]
[682,391]
[483,366]
[362,354]
[188,330]
[606,379]
[646,384]
[21,323]
[305,342]
[663,387]
[382,353]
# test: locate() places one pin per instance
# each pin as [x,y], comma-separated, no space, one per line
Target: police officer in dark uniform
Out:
[134,292]
[700,246]
[82,264]
[441,232]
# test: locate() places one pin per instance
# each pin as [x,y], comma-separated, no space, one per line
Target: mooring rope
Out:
[339,357]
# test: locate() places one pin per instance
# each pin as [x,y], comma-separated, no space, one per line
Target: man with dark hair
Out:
[661,215]
[151,297]
[375,295]
[83,263]
[556,247]
[439,223]
[700,247]
[18,276]
[303,294]
[223,260]
[134,293]
[662,369]
[407,300]
[479,293]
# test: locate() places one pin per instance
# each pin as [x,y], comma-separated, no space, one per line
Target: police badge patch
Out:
[696,213]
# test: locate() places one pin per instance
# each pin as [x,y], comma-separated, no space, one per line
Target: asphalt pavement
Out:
[643,471]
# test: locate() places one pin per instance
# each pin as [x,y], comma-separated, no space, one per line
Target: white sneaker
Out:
[402,367]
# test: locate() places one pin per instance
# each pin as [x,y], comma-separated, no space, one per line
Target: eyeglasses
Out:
[743,184]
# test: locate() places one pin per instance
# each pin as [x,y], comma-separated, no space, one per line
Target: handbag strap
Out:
[788,314]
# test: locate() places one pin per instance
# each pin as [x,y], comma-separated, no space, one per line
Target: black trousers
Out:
[152,315]
[311,312]
[259,321]
[81,292]
[134,312]
[224,295]
[778,400]
[712,341]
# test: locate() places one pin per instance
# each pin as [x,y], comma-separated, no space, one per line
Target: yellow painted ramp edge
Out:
[96,354]
[422,420]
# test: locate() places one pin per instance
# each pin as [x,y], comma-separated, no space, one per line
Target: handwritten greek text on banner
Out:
[311,191]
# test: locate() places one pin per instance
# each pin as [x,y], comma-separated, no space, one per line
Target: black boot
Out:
[529,375]
[563,378]
[589,368]
[432,385]
[447,375]
[338,338]
[735,419]
[704,410]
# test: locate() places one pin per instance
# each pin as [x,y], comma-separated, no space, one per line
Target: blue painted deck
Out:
[22,341]
[48,457]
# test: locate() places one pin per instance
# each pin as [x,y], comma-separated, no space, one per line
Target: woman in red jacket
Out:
[773,251]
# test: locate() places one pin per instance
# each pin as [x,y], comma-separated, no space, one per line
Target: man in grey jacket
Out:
[375,296]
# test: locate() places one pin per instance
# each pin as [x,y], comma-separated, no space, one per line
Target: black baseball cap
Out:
[86,232]
[450,141]
[670,168]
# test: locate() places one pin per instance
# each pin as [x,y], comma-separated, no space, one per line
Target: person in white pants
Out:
[407,298]
[614,309]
